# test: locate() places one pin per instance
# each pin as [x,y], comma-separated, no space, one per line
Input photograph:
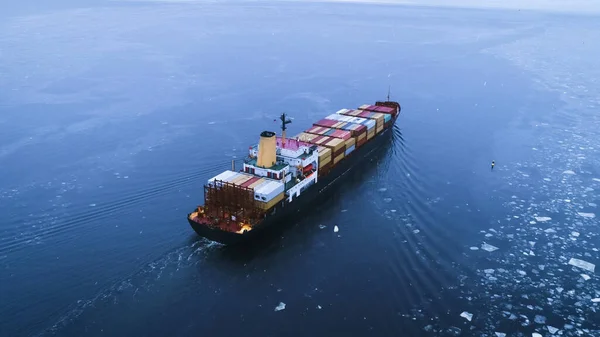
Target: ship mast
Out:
[388,96]
[284,122]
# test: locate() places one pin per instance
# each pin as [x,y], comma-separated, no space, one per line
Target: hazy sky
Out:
[581,6]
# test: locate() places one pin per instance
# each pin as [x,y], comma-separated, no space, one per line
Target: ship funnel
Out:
[267,149]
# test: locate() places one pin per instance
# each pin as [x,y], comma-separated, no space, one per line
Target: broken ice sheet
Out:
[467,315]
[552,329]
[500,334]
[587,215]
[542,218]
[280,307]
[582,264]
[488,247]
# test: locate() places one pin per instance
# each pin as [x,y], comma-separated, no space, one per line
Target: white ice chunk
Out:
[535,334]
[585,277]
[596,300]
[488,271]
[552,329]
[336,229]
[596,179]
[587,215]
[280,307]
[568,172]
[474,248]
[539,319]
[488,247]
[575,234]
[500,334]
[543,218]
[550,230]
[468,316]
[582,264]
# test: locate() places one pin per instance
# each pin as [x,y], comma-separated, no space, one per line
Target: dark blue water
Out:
[113,115]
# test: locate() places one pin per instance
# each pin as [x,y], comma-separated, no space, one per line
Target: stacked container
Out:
[337,133]
[272,192]
[378,108]
[335,144]
[324,159]
[350,146]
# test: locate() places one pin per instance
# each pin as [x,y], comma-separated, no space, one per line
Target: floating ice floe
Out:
[467,315]
[542,218]
[585,276]
[539,319]
[596,300]
[552,329]
[500,334]
[488,247]
[474,248]
[336,229]
[587,215]
[596,179]
[280,307]
[568,172]
[575,234]
[535,334]
[582,264]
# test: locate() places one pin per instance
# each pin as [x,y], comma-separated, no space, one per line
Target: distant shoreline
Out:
[574,6]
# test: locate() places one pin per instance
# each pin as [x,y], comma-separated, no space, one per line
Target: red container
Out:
[341,134]
[385,109]
[326,122]
[250,181]
[365,114]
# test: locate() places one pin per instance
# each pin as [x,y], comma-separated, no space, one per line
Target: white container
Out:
[268,191]
[341,111]
[224,176]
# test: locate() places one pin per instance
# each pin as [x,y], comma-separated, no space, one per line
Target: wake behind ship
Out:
[282,175]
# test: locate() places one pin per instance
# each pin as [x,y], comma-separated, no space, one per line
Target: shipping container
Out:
[324,161]
[338,158]
[269,204]
[378,117]
[250,181]
[370,134]
[306,137]
[257,183]
[361,142]
[223,176]
[350,142]
[242,179]
[351,112]
[316,130]
[324,151]
[378,108]
[342,134]
[349,150]
[269,190]
[324,170]
[325,122]
[341,111]
[379,129]
[335,143]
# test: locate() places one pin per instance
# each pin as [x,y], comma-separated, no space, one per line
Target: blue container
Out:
[349,150]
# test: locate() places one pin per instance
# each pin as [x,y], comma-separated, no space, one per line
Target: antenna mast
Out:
[284,122]
[388,96]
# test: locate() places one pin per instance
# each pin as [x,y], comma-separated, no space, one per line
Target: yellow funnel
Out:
[267,149]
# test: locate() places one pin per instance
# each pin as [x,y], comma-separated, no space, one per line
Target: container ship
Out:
[281,175]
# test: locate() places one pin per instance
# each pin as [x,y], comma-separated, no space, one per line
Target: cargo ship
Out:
[282,175]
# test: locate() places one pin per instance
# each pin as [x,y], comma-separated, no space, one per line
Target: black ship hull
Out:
[359,157]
